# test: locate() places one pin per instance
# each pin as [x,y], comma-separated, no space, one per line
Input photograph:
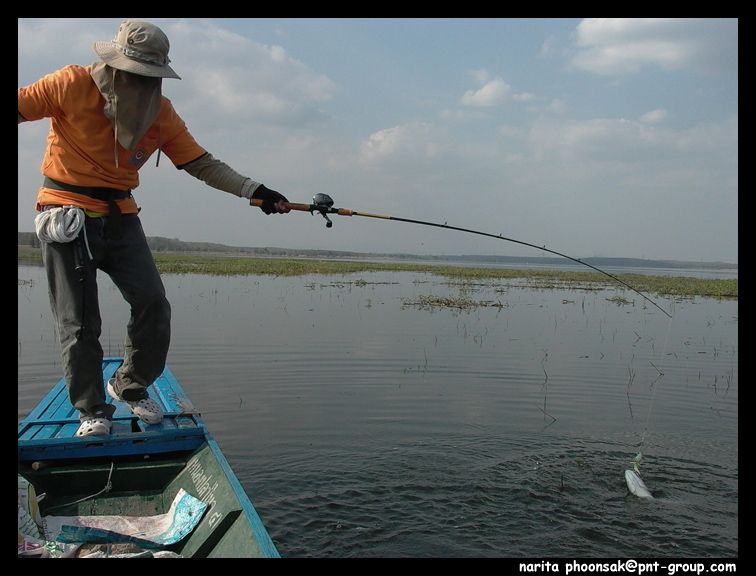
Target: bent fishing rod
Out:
[323,205]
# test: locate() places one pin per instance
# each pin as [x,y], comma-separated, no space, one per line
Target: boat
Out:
[135,473]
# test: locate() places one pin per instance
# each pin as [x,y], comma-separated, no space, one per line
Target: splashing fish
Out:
[634,481]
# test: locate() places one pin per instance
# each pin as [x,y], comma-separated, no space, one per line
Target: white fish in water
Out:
[636,485]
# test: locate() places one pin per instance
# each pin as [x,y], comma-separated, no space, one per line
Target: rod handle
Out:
[307,207]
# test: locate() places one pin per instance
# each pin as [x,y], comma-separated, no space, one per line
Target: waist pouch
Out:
[60,224]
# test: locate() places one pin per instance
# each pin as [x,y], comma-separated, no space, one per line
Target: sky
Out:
[613,137]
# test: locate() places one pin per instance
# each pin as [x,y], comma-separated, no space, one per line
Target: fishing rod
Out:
[323,205]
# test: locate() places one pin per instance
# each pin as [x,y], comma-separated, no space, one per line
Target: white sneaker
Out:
[94,427]
[146,409]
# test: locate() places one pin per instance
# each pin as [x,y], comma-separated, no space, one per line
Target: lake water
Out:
[364,422]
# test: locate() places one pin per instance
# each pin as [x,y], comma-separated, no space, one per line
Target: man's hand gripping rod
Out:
[321,203]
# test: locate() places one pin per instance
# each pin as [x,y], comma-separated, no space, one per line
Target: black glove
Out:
[269,198]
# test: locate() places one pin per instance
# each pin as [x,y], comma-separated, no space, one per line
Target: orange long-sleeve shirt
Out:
[81,145]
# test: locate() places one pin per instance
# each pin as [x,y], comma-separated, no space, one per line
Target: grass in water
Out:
[542,279]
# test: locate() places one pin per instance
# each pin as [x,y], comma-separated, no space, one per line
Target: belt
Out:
[109,195]
[103,194]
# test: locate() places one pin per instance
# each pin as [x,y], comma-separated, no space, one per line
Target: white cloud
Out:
[558,106]
[46,44]
[586,143]
[655,163]
[493,92]
[237,77]
[413,141]
[612,46]
[654,116]
[223,72]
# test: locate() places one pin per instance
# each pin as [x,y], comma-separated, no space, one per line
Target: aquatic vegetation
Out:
[175,263]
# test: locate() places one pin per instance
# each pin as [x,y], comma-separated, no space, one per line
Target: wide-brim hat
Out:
[140,48]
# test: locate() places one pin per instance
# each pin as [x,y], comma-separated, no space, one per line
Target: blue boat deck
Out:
[49,431]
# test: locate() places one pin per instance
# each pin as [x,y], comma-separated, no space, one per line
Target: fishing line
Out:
[633,478]
[323,204]
[635,484]
[653,392]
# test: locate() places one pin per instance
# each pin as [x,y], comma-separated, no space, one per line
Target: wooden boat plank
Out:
[49,430]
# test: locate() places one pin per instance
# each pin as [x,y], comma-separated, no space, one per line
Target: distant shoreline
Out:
[160,244]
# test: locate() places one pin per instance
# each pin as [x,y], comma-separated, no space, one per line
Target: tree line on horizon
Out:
[162,244]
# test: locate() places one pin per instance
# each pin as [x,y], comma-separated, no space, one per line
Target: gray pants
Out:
[72,281]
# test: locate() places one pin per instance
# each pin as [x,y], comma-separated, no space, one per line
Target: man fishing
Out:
[106,120]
